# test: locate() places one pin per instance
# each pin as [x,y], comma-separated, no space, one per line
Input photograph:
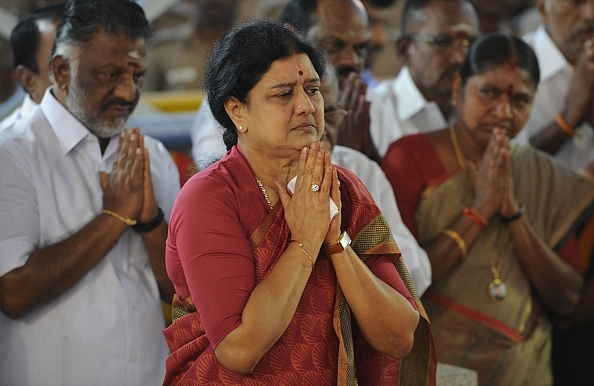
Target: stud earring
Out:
[240,128]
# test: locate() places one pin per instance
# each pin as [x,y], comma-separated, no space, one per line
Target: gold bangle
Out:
[458,240]
[564,126]
[304,251]
[127,221]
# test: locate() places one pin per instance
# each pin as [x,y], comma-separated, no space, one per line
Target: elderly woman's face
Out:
[499,97]
[285,110]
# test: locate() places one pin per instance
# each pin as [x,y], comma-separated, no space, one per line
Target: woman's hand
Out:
[307,212]
[493,186]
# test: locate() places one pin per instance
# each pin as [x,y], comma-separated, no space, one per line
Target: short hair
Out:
[410,7]
[24,38]
[491,50]
[84,18]
[240,59]
[300,14]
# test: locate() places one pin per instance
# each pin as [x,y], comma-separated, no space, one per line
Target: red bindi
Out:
[512,65]
[299,68]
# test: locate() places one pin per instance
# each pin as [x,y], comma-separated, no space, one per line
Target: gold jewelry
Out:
[127,221]
[457,149]
[497,288]
[304,251]
[452,234]
[264,193]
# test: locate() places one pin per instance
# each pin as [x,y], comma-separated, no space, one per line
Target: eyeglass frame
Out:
[447,41]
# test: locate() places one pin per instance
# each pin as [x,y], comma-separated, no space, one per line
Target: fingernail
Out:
[132,137]
[305,150]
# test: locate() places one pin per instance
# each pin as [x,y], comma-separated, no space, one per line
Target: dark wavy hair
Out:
[301,14]
[84,18]
[240,59]
[491,50]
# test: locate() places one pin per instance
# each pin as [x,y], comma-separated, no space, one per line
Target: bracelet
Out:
[459,241]
[475,217]
[516,216]
[564,126]
[304,251]
[127,221]
[149,226]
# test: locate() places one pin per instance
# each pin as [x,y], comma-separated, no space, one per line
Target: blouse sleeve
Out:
[210,246]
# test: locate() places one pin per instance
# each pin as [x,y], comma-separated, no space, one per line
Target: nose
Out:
[502,109]
[587,11]
[126,88]
[303,104]
[349,57]
[458,54]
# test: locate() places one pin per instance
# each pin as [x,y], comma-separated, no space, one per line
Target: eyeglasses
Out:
[334,115]
[444,42]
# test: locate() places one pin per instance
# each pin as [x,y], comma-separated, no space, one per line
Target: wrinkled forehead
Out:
[443,17]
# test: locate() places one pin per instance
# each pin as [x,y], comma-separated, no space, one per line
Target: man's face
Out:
[436,47]
[47,34]
[569,23]
[105,80]
[342,31]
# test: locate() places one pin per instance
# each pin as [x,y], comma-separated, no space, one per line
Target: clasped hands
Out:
[128,189]
[307,211]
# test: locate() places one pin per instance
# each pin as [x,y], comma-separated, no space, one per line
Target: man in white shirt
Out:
[83,209]
[434,40]
[562,117]
[31,41]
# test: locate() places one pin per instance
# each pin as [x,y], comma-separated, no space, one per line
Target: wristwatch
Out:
[343,242]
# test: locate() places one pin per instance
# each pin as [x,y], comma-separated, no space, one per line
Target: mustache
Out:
[586,28]
[120,103]
[344,71]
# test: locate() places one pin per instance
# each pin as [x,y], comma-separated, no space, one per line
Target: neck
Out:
[103,142]
[270,170]
[469,148]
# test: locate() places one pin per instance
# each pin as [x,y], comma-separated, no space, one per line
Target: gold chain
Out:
[264,193]
[457,149]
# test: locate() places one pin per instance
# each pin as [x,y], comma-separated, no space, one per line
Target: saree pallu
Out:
[321,345]
[507,343]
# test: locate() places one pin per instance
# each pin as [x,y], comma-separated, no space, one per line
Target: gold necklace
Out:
[497,288]
[457,149]
[264,193]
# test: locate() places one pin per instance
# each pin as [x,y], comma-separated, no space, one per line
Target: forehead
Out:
[444,16]
[344,20]
[119,49]
[504,75]
[287,71]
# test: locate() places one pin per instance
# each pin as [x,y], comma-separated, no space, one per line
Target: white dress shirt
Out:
[207,137]
[26,109]
[372,176]
[555,78]
[398,108]
[107,329]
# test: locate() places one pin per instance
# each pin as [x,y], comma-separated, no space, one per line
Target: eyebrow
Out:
[292,84]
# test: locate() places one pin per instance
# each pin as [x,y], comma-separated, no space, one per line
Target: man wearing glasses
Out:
[435,36]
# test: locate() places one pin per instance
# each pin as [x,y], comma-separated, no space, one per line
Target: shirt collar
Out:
[550,59]
[410,99]
[28,106]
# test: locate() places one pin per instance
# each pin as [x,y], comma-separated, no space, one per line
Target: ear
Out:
[27,78]
[236,111]
[61,72]
[401,46]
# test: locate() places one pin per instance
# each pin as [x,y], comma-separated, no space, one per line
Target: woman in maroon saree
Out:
[266,294]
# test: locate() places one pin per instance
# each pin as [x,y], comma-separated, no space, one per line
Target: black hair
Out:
[495,49]
[84,18]
[240,59]
[24,38]
[300,14]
